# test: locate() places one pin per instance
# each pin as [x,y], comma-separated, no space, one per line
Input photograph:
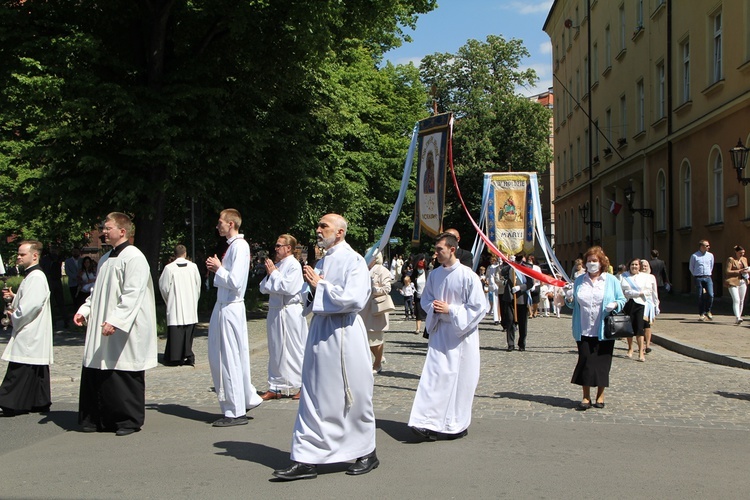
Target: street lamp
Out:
[645,212]
[739,161]
[584,211]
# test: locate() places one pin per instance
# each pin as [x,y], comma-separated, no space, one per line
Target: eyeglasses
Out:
[277,245]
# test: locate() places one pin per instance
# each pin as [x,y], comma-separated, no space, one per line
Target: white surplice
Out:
[228,346]
[451,370]
[123,296]
[336,421]
[180,287]
[31,340]
[285,325]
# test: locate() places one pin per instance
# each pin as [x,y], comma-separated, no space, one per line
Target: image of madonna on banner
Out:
[432,146]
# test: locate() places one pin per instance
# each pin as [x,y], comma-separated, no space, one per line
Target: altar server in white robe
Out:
[120,336]
[454,301]
[26,386]
[228,346]
[335,421]
[180,287]
[286,325]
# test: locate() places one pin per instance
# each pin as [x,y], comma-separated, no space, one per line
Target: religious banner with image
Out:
[434,137]
[510,214]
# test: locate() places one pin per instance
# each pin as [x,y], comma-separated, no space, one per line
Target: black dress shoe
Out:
[598,405]
[363,465]
[296,471]
[510,348]
[521,348]
[425,434]
[451,437]
[125,431]
[583,406]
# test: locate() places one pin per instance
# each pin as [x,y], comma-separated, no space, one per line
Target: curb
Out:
[698,353]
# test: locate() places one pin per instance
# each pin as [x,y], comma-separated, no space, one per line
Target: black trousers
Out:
[112,399]
[26,388]
[179,348]
[510,326]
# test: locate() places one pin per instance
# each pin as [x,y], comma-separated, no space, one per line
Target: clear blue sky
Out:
[448,27]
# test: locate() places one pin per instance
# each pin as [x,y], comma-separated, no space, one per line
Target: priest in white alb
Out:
[228,345]
[26,386]
[454,301]
[335,422]
[120,345]
[286,325]
[180,287]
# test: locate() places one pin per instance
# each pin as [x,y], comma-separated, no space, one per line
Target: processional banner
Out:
[510,217]
[433,139]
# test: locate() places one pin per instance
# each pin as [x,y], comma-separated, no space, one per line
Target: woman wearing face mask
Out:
[593,296]
[636,286]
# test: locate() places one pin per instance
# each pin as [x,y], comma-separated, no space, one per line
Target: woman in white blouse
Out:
[636,286]
[654,310]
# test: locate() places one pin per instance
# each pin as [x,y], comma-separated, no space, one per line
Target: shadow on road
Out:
[547,400]
[186,412]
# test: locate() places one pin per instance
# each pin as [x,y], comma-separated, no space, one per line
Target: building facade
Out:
[651,98]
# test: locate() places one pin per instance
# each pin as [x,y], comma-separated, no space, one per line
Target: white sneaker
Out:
[702,318]
[739,321]
[709,316]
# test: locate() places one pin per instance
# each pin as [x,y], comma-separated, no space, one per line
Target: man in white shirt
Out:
[286,325]
[228,346]
[120,341]
[26,386]
[335,422]
[455,304]
[180,287]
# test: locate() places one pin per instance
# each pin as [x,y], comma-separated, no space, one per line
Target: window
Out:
[623,117]
[594,64]
[586,80]
[587,142]
[685,50]
[716,23]
[565,166]
[660,91]
[607,46]
[623,29]
[661,202]
[641,119]
[570,96]
[579,159]
[686,200]
[570,153]
[717,185]
[563,42]
[595,135]
[608,126]
[639,15]
[578,85]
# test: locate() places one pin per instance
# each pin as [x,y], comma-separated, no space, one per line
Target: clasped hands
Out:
[311,276]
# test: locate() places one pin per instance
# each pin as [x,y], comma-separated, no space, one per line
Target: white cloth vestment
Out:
[285,325]
[31,340]
[451,370]
[180,287]
[228,346]
[123,296]
[336,421]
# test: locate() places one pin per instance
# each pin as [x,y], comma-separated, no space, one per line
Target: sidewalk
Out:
[719,341]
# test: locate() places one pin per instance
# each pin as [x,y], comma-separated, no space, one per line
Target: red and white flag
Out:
[615,207]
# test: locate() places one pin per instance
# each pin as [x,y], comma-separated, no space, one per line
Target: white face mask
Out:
[592,267]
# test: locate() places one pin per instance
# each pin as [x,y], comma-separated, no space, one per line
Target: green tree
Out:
[141,105]
[496,129]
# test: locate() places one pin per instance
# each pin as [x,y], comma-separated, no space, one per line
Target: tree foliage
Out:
[496,128]
[141,105]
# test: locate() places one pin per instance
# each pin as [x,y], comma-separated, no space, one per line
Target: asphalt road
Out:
[673,427]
